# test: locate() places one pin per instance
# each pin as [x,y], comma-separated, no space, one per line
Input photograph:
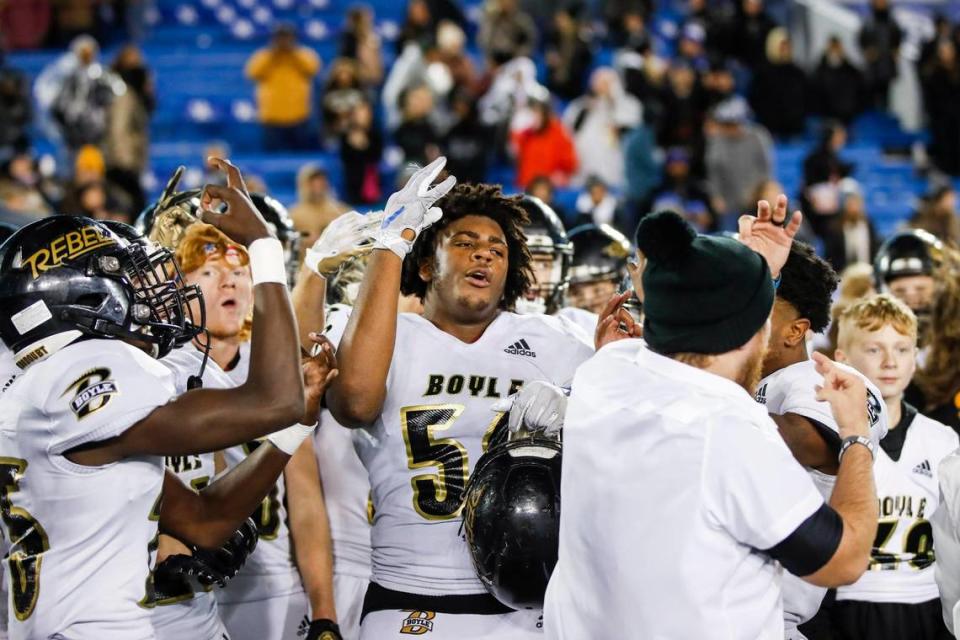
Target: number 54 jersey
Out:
[435,423]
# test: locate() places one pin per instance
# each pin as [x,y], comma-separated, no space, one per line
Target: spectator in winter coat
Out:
[597,121]
[465,144]
[506,29]
[837,85]
[82,106]
[361,147]
[284,73]
[15,108]
[858,239]
[739,156]
[778,93]
[127,148]
[568,55]
[880,39]
[544,147]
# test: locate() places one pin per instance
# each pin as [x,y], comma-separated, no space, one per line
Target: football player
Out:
[332,272]
[788,389]
[904,266]
[600,255]
[419,389]
[286,583]
[898,597]
[552,253]
[84,429]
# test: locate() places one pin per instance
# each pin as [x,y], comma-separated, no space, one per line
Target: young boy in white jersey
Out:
[282,588]
[84,429]
[420,391]
[898,596]
[788,390]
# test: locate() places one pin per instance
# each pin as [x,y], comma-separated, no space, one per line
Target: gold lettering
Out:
[74,242]
[58,250]
[66,247]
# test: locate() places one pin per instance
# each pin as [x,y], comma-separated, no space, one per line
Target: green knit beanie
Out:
[702,294]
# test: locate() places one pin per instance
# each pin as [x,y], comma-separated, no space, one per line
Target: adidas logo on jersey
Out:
[924,469]
[520,348]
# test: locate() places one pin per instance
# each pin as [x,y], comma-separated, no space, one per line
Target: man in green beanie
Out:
[681,503]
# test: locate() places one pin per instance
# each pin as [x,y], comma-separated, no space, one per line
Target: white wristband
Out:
[267,261]
[288,440]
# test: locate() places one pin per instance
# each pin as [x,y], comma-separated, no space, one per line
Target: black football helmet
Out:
[6,230]
[67,278]
[600,252]
[279,220]
[546,236]
[511,518]
[908,253]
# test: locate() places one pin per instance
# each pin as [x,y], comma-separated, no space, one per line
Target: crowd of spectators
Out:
[570,96]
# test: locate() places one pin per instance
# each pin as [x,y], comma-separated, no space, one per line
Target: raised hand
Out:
[410,210]
[319,370]
[240,220]
[349,235]
[615,322]
[847,395]
[766,233]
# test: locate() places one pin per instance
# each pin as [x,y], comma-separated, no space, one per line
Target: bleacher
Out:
[197,51]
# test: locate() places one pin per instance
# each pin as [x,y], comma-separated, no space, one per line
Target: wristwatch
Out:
[849,441]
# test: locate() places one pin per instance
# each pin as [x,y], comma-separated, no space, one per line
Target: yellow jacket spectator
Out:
[283,73]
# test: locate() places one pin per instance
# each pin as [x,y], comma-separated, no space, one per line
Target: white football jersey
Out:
[82,537]
[434,425]
[270,570]
[585,320]
[793,390]
[673,480]
[901,564]
[8,373]
[189,609]
[346,487]
[946,531]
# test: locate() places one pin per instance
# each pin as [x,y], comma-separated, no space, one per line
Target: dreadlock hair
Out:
[488,201]
[808,284]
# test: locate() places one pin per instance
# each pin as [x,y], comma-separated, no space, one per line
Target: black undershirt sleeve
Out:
[812,544]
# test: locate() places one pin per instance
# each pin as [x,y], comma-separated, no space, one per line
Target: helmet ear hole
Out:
[90,300]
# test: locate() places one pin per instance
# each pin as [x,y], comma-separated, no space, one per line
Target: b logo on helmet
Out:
[418,623]
[70,245]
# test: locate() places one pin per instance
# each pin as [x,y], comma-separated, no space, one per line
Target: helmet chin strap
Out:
[196,381]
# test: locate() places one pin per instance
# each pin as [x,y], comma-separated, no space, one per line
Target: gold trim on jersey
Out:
[458,463]
[25,556]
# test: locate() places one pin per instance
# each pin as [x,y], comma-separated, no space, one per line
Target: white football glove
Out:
[349,235]
[538,406]
[412,208]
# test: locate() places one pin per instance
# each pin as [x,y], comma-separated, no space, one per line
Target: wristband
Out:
[776,282]
[267,263]
[849,441]
[288,440]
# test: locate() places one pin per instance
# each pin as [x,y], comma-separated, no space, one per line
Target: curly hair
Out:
[488,201]
[808,282]
[939,379]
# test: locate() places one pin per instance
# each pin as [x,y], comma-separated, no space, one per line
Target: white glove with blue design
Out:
[351,234]
[412,208]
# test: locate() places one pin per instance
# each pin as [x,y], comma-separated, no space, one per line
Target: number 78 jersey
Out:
[435,423]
